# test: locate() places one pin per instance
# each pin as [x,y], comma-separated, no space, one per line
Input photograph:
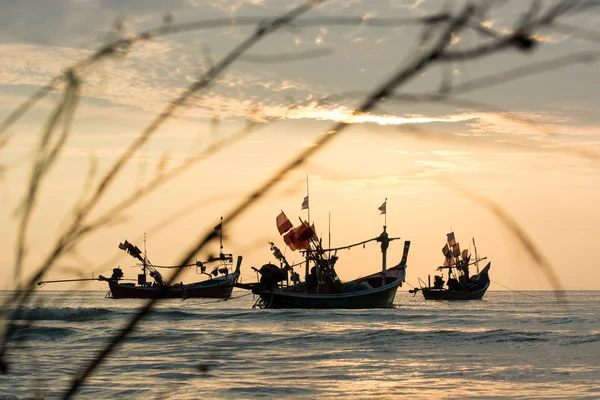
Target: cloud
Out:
[155,72]
[140,8]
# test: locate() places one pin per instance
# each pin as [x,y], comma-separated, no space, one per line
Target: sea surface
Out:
[508,345]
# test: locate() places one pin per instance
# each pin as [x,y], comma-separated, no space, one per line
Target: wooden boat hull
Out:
[219,288]
[445,294]
[374,297]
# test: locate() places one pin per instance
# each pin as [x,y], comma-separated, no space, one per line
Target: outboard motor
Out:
[117,274]
[115,277]
[271,274]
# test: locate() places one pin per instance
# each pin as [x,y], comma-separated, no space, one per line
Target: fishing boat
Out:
[460,285]
[221,278]
[322,288]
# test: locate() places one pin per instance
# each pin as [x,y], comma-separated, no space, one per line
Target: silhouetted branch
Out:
[269,184]
[515,228]
[436,50]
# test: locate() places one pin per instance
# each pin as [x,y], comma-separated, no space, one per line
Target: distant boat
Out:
[459,286]
[214,287]
[322,287]
[219,284]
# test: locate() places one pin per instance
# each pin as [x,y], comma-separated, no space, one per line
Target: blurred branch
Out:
[76,232]
[211,75]
[45,158]
[165,177]
[514,227]
[437,48]
[380,92]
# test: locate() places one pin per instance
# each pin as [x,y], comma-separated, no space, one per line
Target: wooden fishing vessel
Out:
[219,284]
[214,287]
[460,285]
[322,288]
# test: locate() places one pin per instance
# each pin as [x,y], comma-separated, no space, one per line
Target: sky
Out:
[527,144]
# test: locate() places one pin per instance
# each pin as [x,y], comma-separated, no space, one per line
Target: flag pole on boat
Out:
[145,255]
[476,258]
[384,239]
[306,205]
[329,233]
[383,209]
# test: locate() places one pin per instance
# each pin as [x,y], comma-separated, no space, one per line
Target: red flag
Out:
[290,239]
[304,232]
[305,245]
[283,223]
[299,237]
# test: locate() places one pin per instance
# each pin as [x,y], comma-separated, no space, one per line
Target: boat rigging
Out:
[219,284]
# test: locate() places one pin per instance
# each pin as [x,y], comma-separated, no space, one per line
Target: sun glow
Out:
[344,114]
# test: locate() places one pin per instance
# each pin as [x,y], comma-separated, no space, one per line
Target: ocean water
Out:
[508,345]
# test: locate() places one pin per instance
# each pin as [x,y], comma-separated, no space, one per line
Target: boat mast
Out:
[221,237]
[308,205]
[385,242]
[145,256]
[329,246]
[307,251]
[476,258]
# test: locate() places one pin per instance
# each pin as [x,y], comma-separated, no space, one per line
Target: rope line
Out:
[221,300]
[523,293]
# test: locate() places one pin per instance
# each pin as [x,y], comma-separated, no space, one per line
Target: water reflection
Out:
[504,346]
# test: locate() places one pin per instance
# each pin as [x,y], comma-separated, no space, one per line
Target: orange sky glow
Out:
[530,145]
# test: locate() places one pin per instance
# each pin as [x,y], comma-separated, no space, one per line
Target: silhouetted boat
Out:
[459,286]
[219,284]
[214,287]
[322,288]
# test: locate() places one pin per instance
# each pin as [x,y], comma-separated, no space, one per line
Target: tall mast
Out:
[329,246]
[221,237]
[145,255]
[385,241]
[476,258]
[307,251]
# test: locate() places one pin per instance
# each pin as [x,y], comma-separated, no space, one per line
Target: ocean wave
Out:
[583,339]
[170,314]
[36,332]
[73,314]
[357,336]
